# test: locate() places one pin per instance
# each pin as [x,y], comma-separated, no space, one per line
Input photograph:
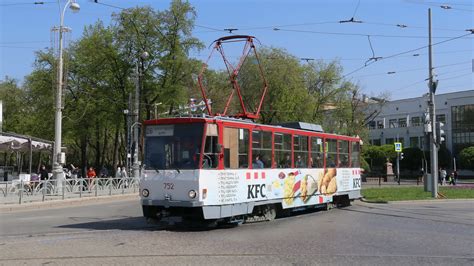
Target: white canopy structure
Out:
[23,146]
[10,143]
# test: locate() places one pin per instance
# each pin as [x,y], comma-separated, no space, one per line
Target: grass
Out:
[383,195]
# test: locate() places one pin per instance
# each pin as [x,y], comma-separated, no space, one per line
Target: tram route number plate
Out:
[168,186]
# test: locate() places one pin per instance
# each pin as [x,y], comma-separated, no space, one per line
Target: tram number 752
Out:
[168,186]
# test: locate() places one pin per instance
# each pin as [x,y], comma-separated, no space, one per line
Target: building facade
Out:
[404,121]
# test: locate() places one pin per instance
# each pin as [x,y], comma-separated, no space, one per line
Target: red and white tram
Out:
[215,167]
[227,168]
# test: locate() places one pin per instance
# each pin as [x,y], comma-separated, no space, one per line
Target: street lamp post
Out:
[57,156]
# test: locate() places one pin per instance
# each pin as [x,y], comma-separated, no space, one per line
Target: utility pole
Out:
[136,113]
[432,88]
[58,156]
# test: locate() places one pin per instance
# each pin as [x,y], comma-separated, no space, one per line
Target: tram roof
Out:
[291,126]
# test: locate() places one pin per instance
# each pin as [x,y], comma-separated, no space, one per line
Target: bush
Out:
[376,156]
[466,158]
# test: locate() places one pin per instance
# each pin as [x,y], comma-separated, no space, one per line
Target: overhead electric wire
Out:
[357,7]
[365,34]
[459,76]
[28,3]
[109,5]
[402,53]
[443,5]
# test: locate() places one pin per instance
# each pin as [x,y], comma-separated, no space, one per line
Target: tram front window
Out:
[173,146]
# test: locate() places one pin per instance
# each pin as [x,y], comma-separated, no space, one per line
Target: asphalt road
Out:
[419,233]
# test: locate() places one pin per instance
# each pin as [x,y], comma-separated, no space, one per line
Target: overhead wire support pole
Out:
[58,159]
[432,89]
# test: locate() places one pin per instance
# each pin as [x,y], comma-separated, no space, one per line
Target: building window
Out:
[379,124]
[415,121]
[462,127]
[372,125]
[389,141]
[392,123]
[441,118]
[402,122]
[376,142]
[414,142]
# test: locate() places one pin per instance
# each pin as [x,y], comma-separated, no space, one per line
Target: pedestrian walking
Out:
[44,175]
[443,175]
[451,179]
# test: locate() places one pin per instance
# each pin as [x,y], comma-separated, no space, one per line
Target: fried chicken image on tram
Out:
[304,188]
[288,185]
[328,184]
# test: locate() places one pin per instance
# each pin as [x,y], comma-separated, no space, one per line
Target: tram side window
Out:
[316,152]
[343,153]
[331,152]
[236,148]
[355,155]
[210,156]
[283,150]
[300,146]
[261,148]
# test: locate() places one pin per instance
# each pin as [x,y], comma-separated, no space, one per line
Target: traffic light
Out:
[440,134]
[401,155]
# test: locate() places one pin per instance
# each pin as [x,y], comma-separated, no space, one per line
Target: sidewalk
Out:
[5,208]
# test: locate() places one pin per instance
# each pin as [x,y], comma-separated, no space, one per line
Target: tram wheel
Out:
[269,212]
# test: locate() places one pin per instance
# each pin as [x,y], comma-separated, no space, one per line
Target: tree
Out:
[286,98]
[466,158]
[14,109]
[167,37]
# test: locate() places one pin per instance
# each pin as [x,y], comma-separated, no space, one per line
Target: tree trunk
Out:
[116,146]
[97,146]
[84,154]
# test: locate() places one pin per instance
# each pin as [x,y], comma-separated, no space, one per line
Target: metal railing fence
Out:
[19,191]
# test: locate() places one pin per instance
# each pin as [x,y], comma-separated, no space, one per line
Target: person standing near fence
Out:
[118,175]
[90,176]
[43,174]
[124,176]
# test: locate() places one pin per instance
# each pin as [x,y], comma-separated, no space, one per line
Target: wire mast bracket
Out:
[233,72]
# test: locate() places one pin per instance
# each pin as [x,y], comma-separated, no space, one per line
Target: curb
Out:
[415,201]
[374,202]
[65,202]
[430,201]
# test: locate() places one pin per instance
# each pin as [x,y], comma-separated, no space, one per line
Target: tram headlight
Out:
[145,193]
[192,194]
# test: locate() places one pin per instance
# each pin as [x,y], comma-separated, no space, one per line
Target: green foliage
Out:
[365,165]
[14,108]
[466,158]
[286,94]
[377,156]
[381,195]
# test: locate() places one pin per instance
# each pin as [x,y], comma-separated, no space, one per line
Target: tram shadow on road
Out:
[140,224]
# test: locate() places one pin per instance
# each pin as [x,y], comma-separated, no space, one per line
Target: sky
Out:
[384,54]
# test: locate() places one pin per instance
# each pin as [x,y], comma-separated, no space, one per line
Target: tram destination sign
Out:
[160,131]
